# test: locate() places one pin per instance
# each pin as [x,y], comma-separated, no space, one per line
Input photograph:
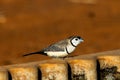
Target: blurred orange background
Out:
[30,25]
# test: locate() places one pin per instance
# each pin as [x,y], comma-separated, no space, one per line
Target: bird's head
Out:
[75,40]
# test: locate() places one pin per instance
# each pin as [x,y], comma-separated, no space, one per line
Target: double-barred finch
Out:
[61,48]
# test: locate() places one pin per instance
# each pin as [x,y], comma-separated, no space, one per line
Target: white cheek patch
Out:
[57,54]
[74,42]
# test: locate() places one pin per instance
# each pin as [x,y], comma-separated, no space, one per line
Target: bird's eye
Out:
[76,39]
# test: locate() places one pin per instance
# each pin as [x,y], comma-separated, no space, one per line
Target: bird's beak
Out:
[81,40]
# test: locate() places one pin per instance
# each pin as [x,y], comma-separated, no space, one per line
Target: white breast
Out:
[70,48]
[57,54]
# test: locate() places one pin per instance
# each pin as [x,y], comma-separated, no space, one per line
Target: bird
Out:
[61,48]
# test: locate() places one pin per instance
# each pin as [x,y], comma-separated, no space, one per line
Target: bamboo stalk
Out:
[58,70]
[54,70]
[109,67]
[83,69]
[24,73]
[3,75]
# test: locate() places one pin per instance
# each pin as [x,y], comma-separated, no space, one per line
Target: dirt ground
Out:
[30,25]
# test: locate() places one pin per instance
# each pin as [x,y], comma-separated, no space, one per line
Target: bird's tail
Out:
[40,52]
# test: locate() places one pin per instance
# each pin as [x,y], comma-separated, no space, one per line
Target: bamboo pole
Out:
[58,70]
[83,69]
[3,75]
[54,70]
[109,67]
[24,73]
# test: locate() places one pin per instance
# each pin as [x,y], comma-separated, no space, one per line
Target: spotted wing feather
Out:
[59,46]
